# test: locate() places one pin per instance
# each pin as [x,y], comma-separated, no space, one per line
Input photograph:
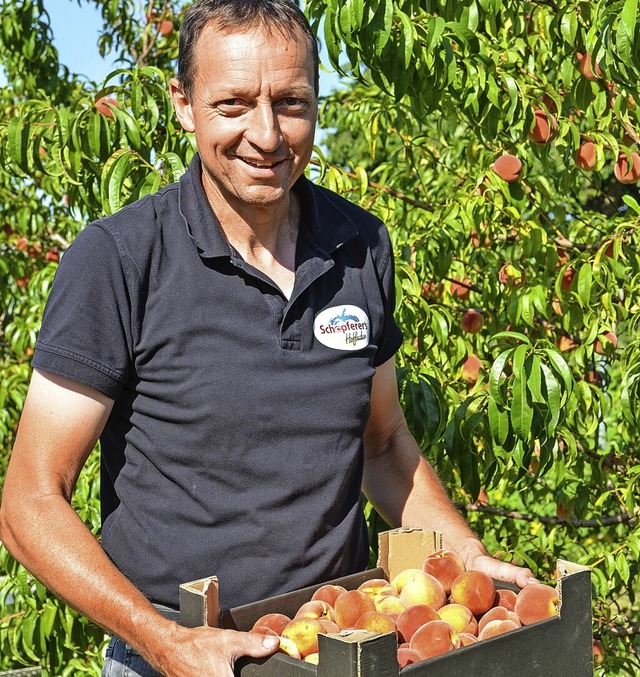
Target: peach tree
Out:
[499,142]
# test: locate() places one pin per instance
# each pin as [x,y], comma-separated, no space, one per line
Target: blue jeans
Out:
[123,661]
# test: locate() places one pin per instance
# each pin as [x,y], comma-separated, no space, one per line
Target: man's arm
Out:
[406,491]
[59,427]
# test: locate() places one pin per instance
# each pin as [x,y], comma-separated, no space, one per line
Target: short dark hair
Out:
[283,15]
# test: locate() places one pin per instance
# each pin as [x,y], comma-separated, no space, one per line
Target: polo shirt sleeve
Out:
[390,338]
[86,327]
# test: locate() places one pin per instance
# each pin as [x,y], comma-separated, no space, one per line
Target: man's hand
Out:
[475,556]
[209,652]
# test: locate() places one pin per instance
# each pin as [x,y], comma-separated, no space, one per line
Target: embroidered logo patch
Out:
[342,328]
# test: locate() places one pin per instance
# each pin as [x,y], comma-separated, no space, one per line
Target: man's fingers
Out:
[252,644]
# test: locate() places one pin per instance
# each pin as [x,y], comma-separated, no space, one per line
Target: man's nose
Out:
[264,129]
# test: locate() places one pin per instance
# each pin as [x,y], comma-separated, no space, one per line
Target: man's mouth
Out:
[260,165]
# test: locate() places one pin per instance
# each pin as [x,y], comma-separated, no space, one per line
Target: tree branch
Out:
[607,520]
[622,630]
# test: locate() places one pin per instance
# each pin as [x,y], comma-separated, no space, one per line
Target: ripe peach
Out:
[567,279]
[459,617]
[586,156]
[328,593]
[610,342]
[506,598]
[460,288]
[472,321]
[315,608]
[304,632]
[508,167]
[313,658]
[434,638]
[414,617]
[475,590]
[511,274]
[102,106]
[625,171]
[350,606]
[467,638]
[590,68]
[497,627]
[407,656]
[376,586]
[545,127]
[446,565]
[166,27]
[275,621]
[471,369]
[375,621]
[263,630]
[328,625]
[598,652]
[498,613]
[389,604]
[536,602]
[417,587]
[565,344]
[289,647]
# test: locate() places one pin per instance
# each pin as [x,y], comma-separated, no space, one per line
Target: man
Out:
[230,340]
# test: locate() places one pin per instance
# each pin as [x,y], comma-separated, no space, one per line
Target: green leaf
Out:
[585,280]
[626,29]
[498,422]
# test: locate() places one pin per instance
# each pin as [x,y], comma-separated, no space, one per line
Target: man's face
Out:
[253,111]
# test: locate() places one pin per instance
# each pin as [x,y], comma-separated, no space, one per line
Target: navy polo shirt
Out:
[234,447]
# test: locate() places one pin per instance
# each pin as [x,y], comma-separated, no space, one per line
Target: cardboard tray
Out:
[555,647]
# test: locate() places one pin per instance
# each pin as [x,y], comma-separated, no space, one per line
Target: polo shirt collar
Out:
[326,226]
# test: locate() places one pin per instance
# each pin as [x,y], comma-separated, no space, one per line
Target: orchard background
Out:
[518,283]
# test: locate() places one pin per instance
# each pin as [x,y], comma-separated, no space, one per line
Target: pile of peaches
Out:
[432,610]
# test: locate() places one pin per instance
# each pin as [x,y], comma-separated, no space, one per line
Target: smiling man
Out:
[230,341]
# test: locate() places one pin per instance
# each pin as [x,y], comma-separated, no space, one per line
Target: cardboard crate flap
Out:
[199,603]
[406,548]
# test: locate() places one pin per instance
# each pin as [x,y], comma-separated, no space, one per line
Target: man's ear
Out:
[181,105]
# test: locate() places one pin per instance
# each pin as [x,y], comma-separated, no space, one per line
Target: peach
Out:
[471,368]
[434,638]
[461,288]
[625,171]
[328,593]
[315,608]
[375,621]
[506,598]
[407,656]
[414,617]
[263,630]
[498,613]
[329,626]
[389,604]
[472,321]
[304,632]
[350,606]
[423,589]
[545,127]
[376,586]
[289,647]
[102,105]
[608,341]
[459,617]
[275,621]
[467,638]
[508,167]
[567,279]
[446,565]
[475,590]
[497,627]
[586,157]
[536,602]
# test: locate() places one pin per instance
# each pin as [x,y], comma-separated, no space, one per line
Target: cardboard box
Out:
[555,647]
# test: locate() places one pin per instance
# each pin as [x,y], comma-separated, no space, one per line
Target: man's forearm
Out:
[406,491]
[52,542]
